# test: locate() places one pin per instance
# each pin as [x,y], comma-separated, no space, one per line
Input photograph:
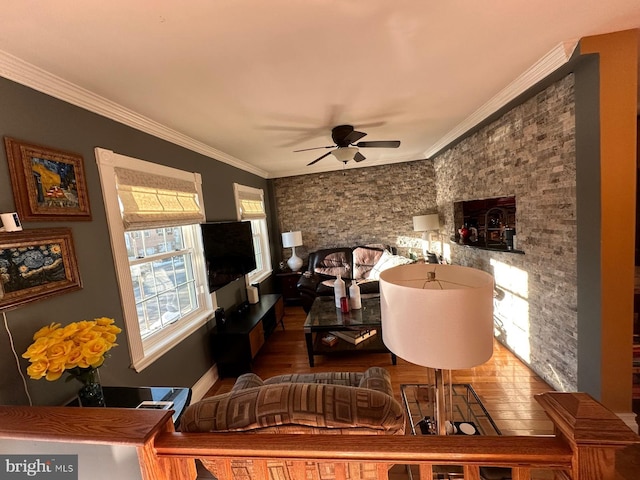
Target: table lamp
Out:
[292,240]
[438,316]
[425,224]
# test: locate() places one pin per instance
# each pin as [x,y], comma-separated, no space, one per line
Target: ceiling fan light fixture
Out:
[344,154]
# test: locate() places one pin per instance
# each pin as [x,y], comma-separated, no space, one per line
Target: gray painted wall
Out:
[37,118]
[588,205]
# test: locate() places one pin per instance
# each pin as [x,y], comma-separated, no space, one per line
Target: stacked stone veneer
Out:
[356,206]
[529,152]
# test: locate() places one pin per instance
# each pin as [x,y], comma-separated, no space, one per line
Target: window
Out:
[153,214]
[250,207]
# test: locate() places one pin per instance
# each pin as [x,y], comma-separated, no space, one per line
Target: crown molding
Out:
[548,64]
[19,71]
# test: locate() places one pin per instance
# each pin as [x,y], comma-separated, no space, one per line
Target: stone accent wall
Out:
[356,206]
[529,152]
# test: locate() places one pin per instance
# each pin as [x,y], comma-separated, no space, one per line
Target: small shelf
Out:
[491,249]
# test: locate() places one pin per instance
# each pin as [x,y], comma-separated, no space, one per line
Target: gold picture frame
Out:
[36,264]
[48,184]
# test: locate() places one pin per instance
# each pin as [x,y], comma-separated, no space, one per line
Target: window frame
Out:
[256,276]
[144,352]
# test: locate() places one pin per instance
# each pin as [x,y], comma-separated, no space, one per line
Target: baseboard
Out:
[629,419]
[202,386]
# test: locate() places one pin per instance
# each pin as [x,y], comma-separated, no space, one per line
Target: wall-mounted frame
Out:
[48,184]
[36,264]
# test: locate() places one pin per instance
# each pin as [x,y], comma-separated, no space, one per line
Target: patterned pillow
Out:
[387,260]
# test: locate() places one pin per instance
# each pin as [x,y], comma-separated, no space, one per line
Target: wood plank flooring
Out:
[505,385]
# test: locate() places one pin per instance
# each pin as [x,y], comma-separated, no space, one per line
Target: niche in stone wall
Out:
[486,223]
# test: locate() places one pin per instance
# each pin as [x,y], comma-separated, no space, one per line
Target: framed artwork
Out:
[47,184]
[36,264]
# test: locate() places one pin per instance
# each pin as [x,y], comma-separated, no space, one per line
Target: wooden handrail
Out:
[471,452]
[583,447]
[538,452]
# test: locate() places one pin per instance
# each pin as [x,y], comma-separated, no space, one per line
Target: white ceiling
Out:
[249,81]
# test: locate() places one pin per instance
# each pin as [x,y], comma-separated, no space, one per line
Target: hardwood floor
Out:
[504,384]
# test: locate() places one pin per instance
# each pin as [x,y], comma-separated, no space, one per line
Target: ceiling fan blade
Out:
[358,157]
[354,137]
[314,148]
[379,144]
[318,159]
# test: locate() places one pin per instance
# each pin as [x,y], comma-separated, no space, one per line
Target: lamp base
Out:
[441,408]
[295,262]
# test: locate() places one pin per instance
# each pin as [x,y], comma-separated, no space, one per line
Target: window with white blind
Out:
[153,213]
[250,207]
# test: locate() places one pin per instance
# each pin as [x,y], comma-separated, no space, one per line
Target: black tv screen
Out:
[228,251]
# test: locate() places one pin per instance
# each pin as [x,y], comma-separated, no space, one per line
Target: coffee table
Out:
[469,415]
[324,317]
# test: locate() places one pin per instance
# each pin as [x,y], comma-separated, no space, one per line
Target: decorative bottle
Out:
[339,290]
[354,296]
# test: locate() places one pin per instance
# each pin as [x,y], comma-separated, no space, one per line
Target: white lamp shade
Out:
[426,223]
[291,239]
[344,154]
[446,323]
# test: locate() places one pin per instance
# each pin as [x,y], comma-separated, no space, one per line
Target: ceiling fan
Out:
[345,148]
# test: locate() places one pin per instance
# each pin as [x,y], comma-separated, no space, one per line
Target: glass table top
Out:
[468,414]
[325,316]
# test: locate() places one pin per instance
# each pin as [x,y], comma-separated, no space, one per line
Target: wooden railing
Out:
[587,436]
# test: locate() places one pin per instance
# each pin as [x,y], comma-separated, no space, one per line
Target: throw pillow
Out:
[335,264]
[364,258]
[387,260]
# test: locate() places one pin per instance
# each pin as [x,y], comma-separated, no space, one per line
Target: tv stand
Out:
[236,344]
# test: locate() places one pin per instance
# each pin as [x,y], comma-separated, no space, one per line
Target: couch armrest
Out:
[307,286]
[270,406]
[308,282]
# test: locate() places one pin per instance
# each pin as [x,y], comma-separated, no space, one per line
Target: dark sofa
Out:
[349,262]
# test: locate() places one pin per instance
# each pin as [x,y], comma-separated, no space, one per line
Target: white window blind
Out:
[250,203]
[250,207]
[149,200]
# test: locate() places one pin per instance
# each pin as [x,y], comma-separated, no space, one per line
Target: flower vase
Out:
[91,394]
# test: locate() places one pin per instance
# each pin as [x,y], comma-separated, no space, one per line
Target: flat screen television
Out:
[228,251]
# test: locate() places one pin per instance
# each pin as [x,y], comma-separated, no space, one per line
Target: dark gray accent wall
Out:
[587,85]
[38,118]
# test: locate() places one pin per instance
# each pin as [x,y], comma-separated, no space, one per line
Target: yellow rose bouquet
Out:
[78,348]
